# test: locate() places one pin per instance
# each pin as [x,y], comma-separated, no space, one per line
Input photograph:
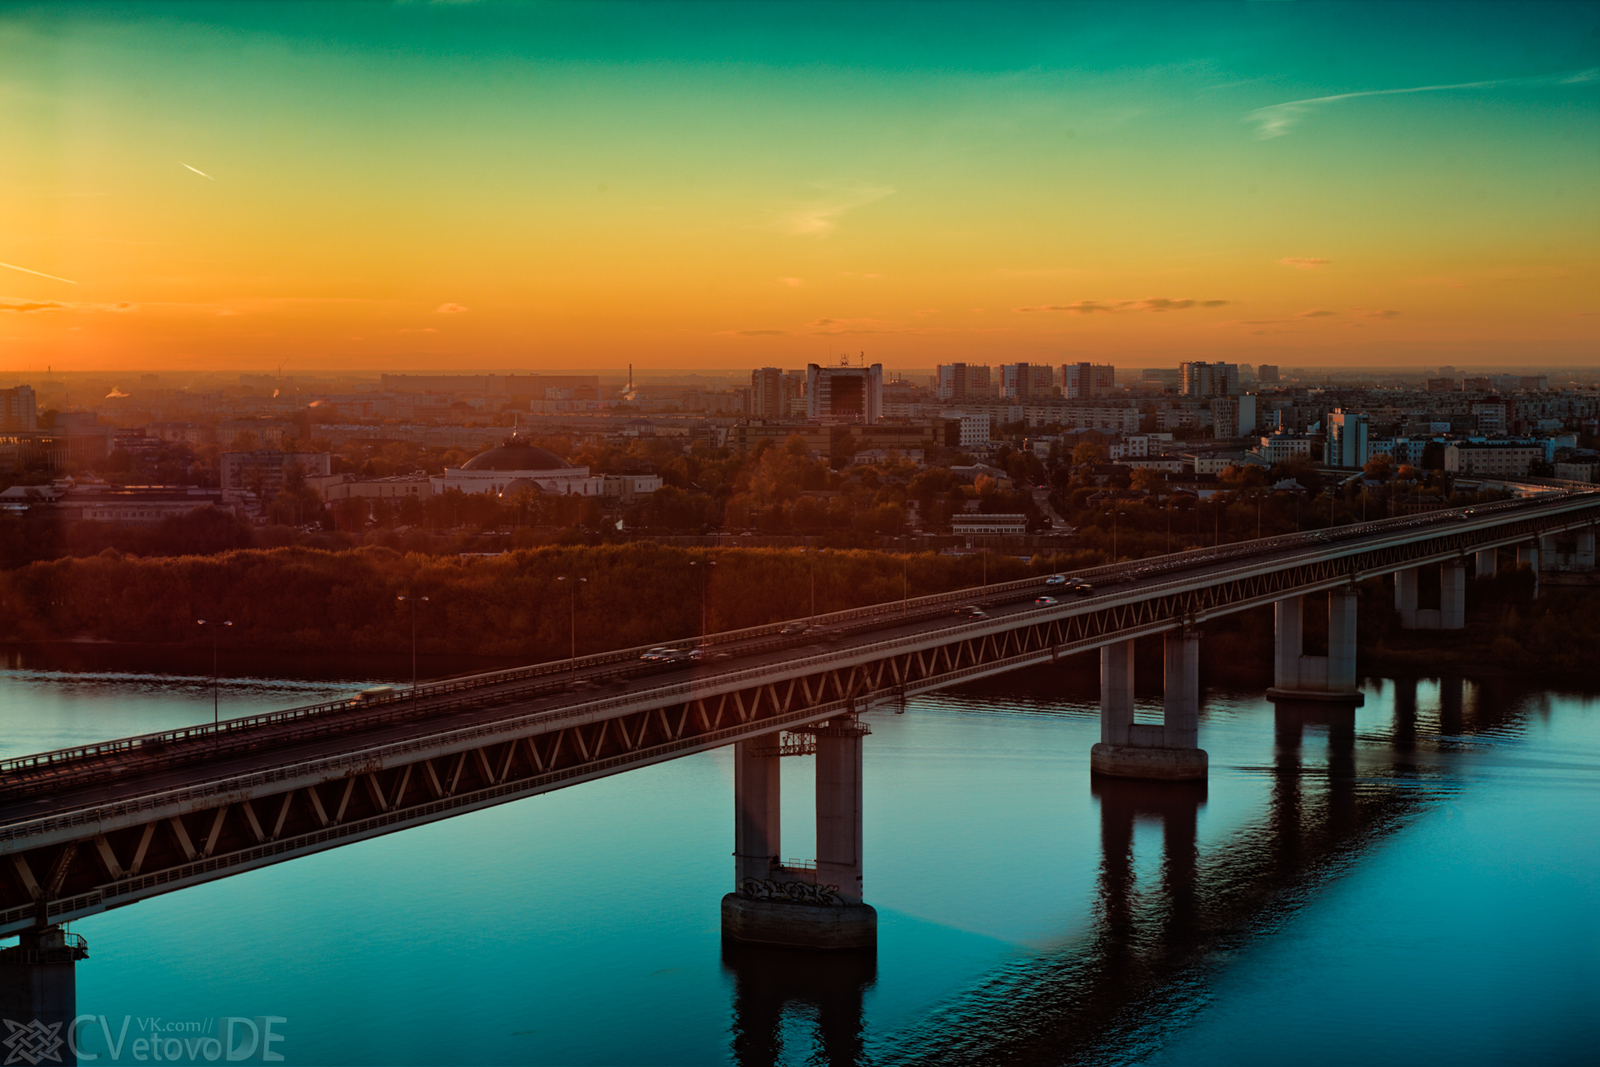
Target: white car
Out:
[1056,579]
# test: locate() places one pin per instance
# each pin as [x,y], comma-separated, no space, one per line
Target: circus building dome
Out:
[516,455]
[516,465]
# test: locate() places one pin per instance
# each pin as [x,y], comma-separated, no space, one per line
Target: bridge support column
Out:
[1138,750]
[1319,678]
[816,907]
[1405,597]
[1486,561]
[39,988]
[1453,594]
[758,807]
[1549,553]
[1585,556]
[1528,556]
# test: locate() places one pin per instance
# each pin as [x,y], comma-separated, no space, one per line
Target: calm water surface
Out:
[1419,887]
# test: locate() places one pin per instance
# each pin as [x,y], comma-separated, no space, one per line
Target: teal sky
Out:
[735,184]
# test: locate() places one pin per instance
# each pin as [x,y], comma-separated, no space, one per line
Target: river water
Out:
[1419,887]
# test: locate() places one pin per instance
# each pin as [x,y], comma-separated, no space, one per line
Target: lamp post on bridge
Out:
[572,620]
[413,600]
[215,631]
[705,581]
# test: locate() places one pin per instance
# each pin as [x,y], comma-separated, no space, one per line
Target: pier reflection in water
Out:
[791,1006]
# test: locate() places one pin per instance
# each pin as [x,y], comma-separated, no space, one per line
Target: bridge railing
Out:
[153,744]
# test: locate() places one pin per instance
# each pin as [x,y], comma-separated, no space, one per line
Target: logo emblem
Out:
[32,1043]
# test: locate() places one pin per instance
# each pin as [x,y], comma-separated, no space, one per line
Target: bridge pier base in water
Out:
[39,991]
[1128,749]
[816,906]
[1298,676]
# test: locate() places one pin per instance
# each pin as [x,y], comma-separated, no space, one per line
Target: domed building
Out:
[516,465]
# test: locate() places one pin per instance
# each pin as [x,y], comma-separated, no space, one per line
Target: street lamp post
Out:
[572,620]
[413,601]
[705,580]
[215,632]
[812,558]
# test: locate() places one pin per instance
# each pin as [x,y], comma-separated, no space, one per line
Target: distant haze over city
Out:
[421,187]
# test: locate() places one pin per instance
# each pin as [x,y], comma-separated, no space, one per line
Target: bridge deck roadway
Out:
[72,821]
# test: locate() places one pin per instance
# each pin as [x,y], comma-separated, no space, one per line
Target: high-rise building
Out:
[772,393]
[19,409]
[1203,380]
[1347,438]
[1084,381]
[1026,381]
[963,381]
[1267,374]
[854,393]
[1233,416]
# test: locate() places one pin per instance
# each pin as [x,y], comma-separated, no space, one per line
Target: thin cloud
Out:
[759,333]
[1082,307]
[793,283]
[1163,304]
[27,306]
[1277,120]
[197,170]
[1317,314]
[37,273]
[451,309]
[1153,303]
[1385,313]
[1305,262]
[818,218]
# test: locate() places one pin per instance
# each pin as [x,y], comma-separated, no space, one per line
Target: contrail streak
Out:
[40,273]
[202,173]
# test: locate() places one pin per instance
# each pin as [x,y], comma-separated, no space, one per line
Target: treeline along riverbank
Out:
[516,604]
[517,607]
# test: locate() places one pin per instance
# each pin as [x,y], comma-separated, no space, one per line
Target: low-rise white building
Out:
[974,524]
[516,460]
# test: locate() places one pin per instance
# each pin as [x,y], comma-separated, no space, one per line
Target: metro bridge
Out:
[87,829]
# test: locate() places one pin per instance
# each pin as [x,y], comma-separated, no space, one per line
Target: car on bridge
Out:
[1057,579]
[664,654]
[794,628]
[971,611]
[1045,601]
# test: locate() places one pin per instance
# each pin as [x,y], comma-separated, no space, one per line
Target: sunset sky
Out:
[553,185]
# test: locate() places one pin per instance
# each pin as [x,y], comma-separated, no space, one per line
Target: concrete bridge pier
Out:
[1129,749]
[1528,556]
[810,906]
[1452,611]
[1549,552]
[39,990]
[1486,562]
[1405,597]
[1453,594]
[1298,676]
[1584,559]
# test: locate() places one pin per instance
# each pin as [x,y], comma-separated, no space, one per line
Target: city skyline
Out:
[243,187]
